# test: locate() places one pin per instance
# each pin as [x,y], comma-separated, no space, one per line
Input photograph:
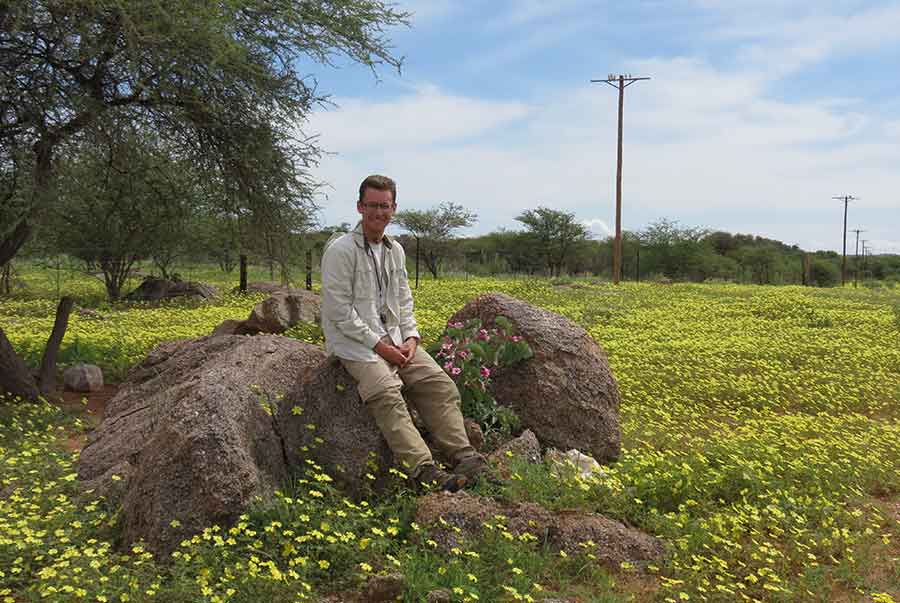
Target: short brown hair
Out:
[380,183]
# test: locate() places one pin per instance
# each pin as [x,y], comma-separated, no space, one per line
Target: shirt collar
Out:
[360,238]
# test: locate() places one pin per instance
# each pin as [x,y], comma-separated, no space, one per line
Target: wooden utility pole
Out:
[621,82]
[637,270]
[846,199]
[856,258]
[807,269]
[866,251]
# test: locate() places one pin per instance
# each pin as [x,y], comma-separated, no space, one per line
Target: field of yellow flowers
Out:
[761,431]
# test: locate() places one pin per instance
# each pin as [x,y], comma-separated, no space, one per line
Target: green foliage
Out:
[310,332]
[823,273]
[225,83]
[759,430]
[469,353]
[433,228]
[554,232]
[122,198]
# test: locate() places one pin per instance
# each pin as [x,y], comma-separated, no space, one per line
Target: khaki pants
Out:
[430,391]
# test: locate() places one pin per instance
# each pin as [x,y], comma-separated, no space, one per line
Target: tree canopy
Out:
[222,82]
[433,228]
[555,231]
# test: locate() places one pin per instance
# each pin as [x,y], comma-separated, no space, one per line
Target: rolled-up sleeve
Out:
[337,296]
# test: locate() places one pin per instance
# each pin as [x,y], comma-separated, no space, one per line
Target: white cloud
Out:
[724,155]
[892,129]
[597,227]
[751,159]
[779,38]
[426,117]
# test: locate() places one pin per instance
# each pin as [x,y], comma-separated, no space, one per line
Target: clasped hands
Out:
[394,354]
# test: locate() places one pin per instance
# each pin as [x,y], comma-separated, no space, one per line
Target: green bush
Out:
[469,353]
[823,273]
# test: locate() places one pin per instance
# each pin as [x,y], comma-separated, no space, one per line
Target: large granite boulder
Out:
[566,393]
[276,314]
[154,289]
[323,419]
[202,428]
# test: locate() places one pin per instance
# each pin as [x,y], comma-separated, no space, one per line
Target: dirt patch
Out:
[95,407]
[90,406]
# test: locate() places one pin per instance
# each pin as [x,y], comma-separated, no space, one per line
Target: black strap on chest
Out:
[377,272]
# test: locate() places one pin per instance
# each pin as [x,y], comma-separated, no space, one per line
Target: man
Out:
[367,318]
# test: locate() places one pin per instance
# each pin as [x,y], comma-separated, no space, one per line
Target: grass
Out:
[760,430]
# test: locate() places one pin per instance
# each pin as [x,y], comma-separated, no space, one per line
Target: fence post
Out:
[243,286]
[309,269]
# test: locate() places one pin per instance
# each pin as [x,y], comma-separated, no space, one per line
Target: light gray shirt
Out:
[351,310]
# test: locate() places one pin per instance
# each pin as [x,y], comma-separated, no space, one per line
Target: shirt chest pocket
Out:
[364,284]
[394,276]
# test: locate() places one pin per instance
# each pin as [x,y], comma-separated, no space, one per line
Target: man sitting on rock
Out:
[367,318]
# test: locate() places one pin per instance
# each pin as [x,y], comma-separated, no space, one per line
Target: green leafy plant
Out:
[470,354]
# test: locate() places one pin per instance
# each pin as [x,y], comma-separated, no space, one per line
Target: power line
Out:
[846,199]
[621,82]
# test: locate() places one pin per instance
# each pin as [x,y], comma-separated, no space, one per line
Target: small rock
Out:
[384,588]
[83,378]
[276,314]
[229,327]
[440,595]
[573,461]
[454,519]
[525,447]
[154,289]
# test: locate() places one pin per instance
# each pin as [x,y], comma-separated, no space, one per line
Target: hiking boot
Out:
[476,469]
[432,477]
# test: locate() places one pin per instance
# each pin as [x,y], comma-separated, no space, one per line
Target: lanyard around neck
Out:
[371,254]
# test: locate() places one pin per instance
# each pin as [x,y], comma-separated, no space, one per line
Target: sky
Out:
[756,115]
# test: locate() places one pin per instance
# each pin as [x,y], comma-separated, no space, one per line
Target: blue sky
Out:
[757,114]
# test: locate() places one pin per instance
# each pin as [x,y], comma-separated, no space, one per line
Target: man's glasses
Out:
[381,206]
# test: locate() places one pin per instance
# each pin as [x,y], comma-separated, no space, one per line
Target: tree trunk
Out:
[15,378]
[47,374]
[6,279]
[11,244]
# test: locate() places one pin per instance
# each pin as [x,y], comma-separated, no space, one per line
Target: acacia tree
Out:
[433,229]
[123,197]
[217,78]
[221,81]
[555,232]
[675,251]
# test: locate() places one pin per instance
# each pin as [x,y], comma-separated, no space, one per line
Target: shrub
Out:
[823,273]
[469,354]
